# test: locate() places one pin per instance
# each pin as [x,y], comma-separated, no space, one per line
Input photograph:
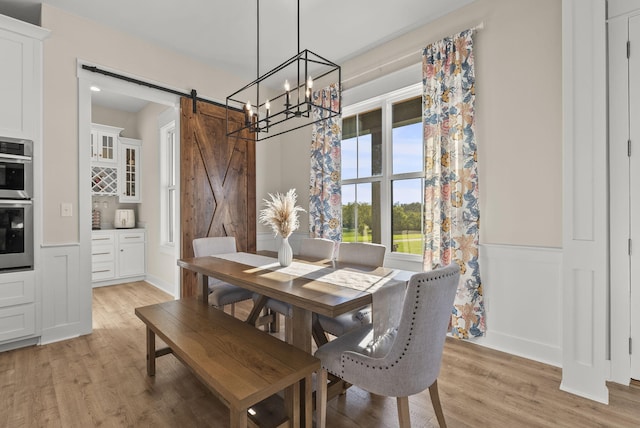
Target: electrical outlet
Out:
[66,209]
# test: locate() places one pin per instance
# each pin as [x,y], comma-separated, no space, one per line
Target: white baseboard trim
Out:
[162,285]
[521,347]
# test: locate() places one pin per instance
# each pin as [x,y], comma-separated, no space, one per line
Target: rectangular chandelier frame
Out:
[288,110]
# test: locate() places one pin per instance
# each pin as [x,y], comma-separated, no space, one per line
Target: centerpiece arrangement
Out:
[281,214]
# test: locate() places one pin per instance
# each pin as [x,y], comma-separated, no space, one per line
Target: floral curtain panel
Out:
[325,198]
[452,213]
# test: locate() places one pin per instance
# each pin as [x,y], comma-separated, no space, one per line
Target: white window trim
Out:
[165,245]
[385,102]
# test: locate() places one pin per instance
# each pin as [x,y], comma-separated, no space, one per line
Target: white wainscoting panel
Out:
[65,310]
[523,300]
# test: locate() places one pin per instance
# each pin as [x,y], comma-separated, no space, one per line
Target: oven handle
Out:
[16,202]
[5,156]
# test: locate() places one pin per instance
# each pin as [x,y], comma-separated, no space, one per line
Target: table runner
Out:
[387,293]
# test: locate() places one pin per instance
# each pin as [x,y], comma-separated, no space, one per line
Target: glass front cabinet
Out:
[129,180]
[104,144]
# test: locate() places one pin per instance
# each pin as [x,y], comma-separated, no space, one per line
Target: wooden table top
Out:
[314,295]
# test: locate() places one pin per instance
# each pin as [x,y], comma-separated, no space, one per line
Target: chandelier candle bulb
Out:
[247,114]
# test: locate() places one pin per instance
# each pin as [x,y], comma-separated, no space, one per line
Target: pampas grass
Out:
[281,213]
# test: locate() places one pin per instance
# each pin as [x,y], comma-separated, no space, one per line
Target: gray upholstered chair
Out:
[356,253]
[310,248]
[408,360]
[220,292]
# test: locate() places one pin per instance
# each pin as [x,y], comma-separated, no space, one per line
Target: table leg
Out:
[203,284]
[300,333]
[238,418]
[257,308]
[151,352]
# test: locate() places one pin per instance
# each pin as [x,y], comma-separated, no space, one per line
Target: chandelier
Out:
[288,97]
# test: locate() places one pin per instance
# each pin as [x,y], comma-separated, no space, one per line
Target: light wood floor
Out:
[100,380]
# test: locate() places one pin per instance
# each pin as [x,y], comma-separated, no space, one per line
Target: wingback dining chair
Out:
[312,248]
[408,360]
[357,253]
[220,292]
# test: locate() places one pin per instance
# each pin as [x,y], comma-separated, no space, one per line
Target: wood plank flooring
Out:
[100,380]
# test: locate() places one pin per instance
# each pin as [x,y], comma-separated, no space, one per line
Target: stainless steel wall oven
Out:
[16,206]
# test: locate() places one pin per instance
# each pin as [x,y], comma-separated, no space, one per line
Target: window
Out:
[382,171]
[168,189]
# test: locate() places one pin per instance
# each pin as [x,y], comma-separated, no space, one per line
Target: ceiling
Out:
[222,33]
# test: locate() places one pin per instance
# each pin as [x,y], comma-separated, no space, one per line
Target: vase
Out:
[285,253]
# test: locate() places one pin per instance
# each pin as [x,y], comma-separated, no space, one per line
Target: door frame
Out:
[86,79]
[619,191]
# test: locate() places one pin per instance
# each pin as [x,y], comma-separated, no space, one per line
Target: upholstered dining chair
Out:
[312,248]
[357,253]
[220,292]
[405,361]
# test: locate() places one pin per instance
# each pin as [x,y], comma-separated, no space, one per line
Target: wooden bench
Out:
[240,364]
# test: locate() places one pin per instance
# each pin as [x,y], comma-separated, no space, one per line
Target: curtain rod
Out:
[480,26]
[193,94]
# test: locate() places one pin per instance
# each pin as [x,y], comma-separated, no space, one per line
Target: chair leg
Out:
[274,326]
[288,329]
[403,412]
[435,401]
[233,309]
[321,399]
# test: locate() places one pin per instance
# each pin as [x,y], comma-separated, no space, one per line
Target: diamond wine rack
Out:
[104,180]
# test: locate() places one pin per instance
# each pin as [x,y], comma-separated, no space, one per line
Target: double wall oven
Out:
[16,209]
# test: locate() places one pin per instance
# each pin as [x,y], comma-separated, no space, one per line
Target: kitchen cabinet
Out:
[21,302]
[131,254]
[117,255]
[103,264]
[17,305]
[104,144]
[129,177]
[20,78]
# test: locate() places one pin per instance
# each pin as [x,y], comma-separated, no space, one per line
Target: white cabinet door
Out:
[131,253]
[129,180]
[131,259]
[18,100]
[104,144]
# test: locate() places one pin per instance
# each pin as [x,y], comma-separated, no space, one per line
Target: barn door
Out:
[218,183]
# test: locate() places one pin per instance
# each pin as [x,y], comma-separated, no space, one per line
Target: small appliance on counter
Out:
[124,219]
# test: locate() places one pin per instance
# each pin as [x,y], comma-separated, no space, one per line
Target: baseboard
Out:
[162,285]
[521,347]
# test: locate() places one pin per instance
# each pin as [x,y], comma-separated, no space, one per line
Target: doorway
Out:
[116,88]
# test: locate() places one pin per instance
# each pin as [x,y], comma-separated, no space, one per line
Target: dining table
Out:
[319,286]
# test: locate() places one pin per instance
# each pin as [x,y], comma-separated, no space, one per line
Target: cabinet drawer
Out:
[102,253]
[17,288]
[103,270]
[130,237]
[102,238]
[17,321]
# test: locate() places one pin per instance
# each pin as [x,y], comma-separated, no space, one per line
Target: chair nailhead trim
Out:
[413,319]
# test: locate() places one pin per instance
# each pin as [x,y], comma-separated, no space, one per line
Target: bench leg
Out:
[238,418]
[308,401]
[151,352]
[321,399]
